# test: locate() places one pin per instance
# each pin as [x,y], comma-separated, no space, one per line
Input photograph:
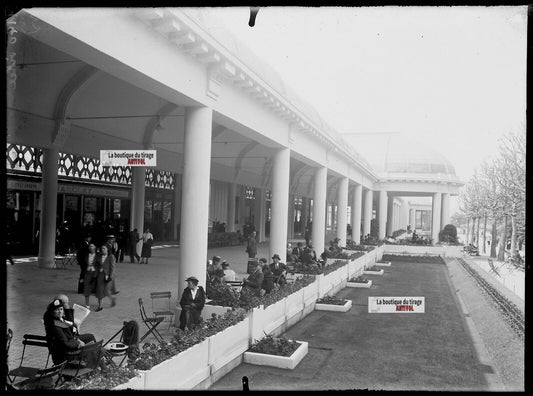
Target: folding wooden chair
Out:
[151,323]
[82,361]
[43,379]
[161,306]
[28,371]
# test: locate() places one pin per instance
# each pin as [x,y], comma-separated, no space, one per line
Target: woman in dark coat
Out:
[62,335]
[105,274]
[91,275]
[191,306]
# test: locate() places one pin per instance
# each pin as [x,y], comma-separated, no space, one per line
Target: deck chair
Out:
[82,361]
[43,379]
[235,285]
[151,323]
[28,371]
[129,336]
[161,306]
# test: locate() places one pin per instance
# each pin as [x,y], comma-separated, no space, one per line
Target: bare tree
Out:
[511,176]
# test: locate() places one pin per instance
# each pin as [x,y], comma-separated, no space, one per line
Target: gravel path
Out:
[504,348]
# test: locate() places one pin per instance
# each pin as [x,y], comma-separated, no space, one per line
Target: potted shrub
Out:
[333,303]
[360,282]
[276,352]
[383,263]
[373,270]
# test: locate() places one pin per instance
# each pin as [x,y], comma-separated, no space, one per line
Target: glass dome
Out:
[394,153]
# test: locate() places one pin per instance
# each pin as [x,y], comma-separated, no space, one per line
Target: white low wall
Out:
[444,251]
[201,365]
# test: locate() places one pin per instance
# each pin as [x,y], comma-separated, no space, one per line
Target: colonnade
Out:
[194,203]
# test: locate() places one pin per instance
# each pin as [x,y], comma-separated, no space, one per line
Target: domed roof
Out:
[394,153]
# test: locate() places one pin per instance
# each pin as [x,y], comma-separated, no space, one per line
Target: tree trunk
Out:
[477,233]
[467,230]
[513,235]
[485,235]
[473,237]
[494,237]
[503,241]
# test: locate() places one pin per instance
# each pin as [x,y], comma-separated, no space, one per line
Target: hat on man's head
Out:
[109,236]
[225,264]
[192,279]
[217,258]
[276,256]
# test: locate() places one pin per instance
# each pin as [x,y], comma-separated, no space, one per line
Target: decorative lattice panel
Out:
[249,192]
[159,179]
[23,158]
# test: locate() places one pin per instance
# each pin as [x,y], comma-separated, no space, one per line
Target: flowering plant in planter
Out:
[359,279]
[101,379]
[279,346]
[153,354]
[223,295]
[333,300]
[334,266]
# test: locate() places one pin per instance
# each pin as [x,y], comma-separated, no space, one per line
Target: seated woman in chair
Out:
[62,335]
[192,302]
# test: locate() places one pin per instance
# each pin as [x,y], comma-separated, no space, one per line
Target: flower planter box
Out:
[208,310]
[366,272]
[288,362]
[366,285]
[228,344]
[383,264]
[294,306]
[135,383]
[333,307]
[183,371]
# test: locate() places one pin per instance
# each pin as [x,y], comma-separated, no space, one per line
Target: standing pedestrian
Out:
[112,248]
[132,244]
[307,236]
[106,272]
[122,239]
[146,252]
[81,254]
[251,247]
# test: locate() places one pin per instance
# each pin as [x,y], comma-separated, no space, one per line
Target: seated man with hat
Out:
[279,270]
[192,302]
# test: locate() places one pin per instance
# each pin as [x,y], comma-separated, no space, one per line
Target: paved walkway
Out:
[30,289]
[353,350]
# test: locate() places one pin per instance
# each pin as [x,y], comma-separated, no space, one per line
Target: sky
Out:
[452,77]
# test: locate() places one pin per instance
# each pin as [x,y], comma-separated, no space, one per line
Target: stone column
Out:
[342,210]
[445,210]
[382,214]
[232,192]
[137,201]
[390,215]
[47,230]
[290,217]
[260,213]
[318,233]
[356,213]
[435,217]
[280,201]
[305,213]
[195,197]
[242,207]
[367,216]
